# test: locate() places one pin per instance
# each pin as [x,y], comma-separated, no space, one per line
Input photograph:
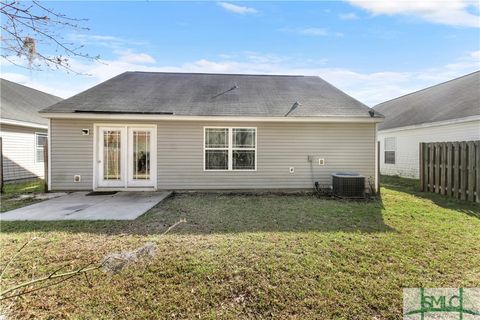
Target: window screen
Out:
[390,148]
[40,142]
[230,149]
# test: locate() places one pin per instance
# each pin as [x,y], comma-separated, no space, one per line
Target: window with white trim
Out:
[390,148]
[40,142]
[230,149]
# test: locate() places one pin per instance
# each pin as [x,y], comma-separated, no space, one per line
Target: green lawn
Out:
[265,256]
[9,199]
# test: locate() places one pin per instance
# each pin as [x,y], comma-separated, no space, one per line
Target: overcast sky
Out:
[372,50]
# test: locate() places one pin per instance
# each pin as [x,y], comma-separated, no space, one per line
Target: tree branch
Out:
[9,293]
[174,226]
[15,255]
[51,276]
[34,24]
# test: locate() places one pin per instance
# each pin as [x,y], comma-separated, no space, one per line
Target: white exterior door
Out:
[111,157]
[126,157]
[141,167]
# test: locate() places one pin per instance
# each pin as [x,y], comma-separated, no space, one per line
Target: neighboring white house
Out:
[449,111]
[23,130]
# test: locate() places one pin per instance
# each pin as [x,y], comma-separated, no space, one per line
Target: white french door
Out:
[126,156]
[139,157]
[111,156]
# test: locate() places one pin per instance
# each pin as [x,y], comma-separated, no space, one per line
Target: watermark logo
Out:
[441,303]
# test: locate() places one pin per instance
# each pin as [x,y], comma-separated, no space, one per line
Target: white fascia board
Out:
[23,123]
[432,124]
[149,117]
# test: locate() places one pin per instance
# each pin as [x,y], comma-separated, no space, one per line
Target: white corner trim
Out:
[49,151]
[150,117]
[432,124]
[23,123]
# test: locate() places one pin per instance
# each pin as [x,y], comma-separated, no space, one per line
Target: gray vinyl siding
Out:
[71,154]
[18,148]
[344,146]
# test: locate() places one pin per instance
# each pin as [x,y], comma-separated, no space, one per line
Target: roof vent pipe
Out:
[232,88]
[294,106]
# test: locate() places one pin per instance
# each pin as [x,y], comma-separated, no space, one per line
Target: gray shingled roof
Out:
[22,103]
[454,99]
[197,94]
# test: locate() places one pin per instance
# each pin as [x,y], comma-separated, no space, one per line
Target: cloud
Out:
[45,84]
[132,57]
[106,41]
[375,87]
[311,31]
[369,87]
[348,16]
[459,13]
[237,9]
[15,77]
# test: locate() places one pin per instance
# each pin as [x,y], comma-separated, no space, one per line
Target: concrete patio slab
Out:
[79,206]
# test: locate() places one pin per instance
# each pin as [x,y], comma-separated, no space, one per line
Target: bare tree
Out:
[33,32]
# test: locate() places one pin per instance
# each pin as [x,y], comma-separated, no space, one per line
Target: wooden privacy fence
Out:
[451,169]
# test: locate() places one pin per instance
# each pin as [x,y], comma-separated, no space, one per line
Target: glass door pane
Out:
[141,155]
[126,157]
[112,155]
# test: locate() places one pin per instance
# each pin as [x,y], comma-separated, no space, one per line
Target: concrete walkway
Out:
[79,206]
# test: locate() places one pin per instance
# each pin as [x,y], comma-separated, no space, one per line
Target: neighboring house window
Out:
[230,149]
[390,147]
[40,142]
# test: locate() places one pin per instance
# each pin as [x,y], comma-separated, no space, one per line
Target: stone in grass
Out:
[116,262]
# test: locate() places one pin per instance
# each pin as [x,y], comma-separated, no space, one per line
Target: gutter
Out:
[23,123]
[172,117]
[432,124]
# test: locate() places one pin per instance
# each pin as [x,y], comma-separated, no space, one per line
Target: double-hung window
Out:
[40,141]
[390,147]
[230,149]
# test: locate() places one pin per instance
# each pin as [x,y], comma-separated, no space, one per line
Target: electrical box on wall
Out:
[77,178]
[321,162]
[86,132]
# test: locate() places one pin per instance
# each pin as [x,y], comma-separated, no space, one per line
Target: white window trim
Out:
[394,150]
[37,148]
[230,149]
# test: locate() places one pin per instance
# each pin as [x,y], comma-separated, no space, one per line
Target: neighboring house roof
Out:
[454,99]
[200,94]
[21,103]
